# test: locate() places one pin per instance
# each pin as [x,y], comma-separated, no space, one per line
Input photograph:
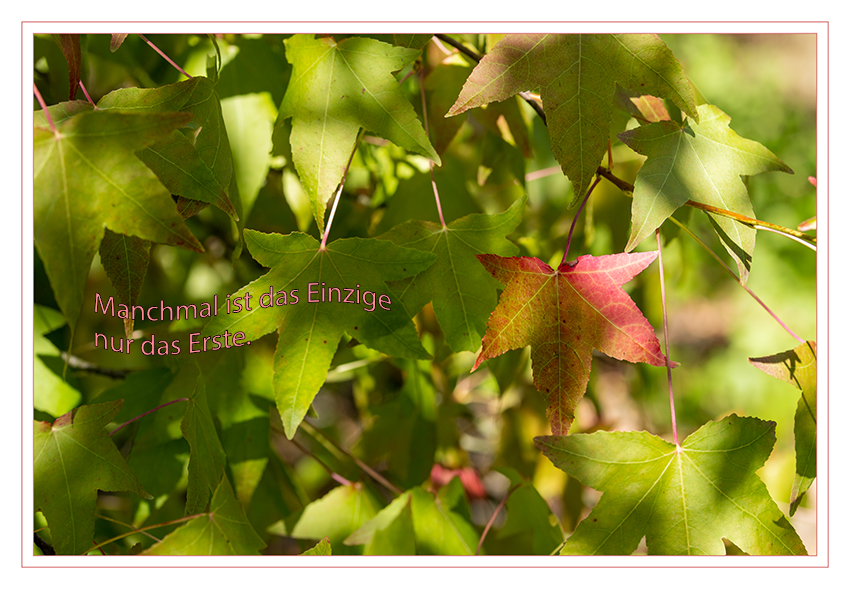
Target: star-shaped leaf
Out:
[74,459]
[799,367]
[684,500]
[577,76]
[224,530]
[87,178]
[563,315]
[700,161]
[207,458]
[294,298]
[335,90]
[462,291]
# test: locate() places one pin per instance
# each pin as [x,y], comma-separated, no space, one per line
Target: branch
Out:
[80,364]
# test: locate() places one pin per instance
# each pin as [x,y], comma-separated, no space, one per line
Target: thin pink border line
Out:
[826,521]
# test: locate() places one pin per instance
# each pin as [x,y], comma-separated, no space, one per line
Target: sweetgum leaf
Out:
[224,530]
[390,532]
[564,315]
[200,168]
[700,161]
[309,332]
[683,500]
[336,89]
[462,291]
[125,259]
[577,76]
[799,368]
[322,548]
[336,515]
[88,178]
[74,459]
[207,458]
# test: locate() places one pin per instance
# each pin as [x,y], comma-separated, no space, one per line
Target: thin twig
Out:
[168,59]
[365,467]
[493,517]
[335,476]
[150,527]
[44,110]
[126,423]
[126,525]
[807,240]
[666,339]
[45,548]
[86,93]
[732,274]
[84,366]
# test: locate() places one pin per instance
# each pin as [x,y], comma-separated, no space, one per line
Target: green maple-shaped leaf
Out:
[684,500]
[74,459]
[207,457]
[309,329]
[700,161]
[223,530]
[336,515]
[88,178]
[799,367]
[577,77]
[462,291]
[197,168]
[565,314]
[390,532]
[335,90]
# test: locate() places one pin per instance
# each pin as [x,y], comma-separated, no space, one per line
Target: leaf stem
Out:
[493,517]
[168,59]
[573,226]
[666,339]
[145,528]
[126,423]
[339,193]
[807,240]
[44,109]
[126,525]
[337,477]
[86,93]
[732,274]
[363,466]
[427,134]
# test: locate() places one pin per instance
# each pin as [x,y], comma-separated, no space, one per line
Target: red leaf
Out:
[564,314]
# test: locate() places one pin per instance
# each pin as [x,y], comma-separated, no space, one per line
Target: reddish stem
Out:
[126,423]
[666,339]
[87,94]
[430,162]
[168,59]
[575,219]
[493,517]
[338,195]
[44,109]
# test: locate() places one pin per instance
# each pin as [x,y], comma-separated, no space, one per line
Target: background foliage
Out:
[419,421]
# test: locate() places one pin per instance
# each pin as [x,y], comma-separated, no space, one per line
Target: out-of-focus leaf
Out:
[70,44]
[52,394]
[116,41]
[207,459]
[323,548]
[336,515]
[390,532]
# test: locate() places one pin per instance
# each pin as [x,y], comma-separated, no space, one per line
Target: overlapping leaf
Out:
[563,315]
[577,77]
[336,515]
[52,394]
[683,500]
[224,530]
[700,161]
[462,291]
[88,178]
[207,459]
[335,90]
[308,332]
[799,368]
[74,458]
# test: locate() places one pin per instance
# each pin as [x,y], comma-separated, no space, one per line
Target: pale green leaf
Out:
[51,393]
[335,90]
[336,515]
[683,500]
